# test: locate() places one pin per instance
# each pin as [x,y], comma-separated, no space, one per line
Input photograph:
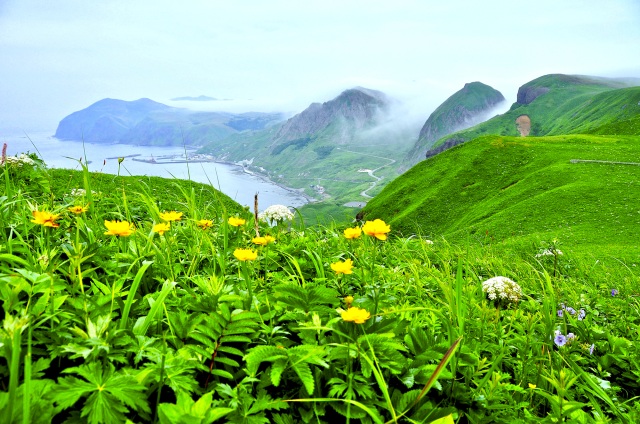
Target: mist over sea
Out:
[229,179]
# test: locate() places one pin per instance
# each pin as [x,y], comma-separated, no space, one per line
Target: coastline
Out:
[199,158]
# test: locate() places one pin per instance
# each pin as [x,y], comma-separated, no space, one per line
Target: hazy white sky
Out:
[60,56]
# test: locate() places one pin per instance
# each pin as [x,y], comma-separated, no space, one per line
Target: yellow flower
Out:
[355,314]
[78,209]
[161,228]
[171,216]
[245,254]
[348,300]
[352,233]
[376,228]
[45,218]
[234,221]
[119,228]
[532,386]
[342,267]
[263,241]
[205,223]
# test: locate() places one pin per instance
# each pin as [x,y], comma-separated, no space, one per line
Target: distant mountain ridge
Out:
[558,104]
[326,147]
[465,108]
[147,122]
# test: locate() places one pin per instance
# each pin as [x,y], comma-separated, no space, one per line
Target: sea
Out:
[232,180]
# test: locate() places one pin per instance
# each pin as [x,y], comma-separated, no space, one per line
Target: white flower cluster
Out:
[549,252]
[502,288]
[19,160]
[276,213]
[79,192]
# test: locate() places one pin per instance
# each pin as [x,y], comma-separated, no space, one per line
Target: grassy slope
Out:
[167,194]
[513,186]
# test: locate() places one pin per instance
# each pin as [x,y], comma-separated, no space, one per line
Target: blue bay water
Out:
[229,179]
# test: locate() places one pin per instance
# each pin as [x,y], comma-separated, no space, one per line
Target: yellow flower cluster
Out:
[119,228]
[355,315]
[46,219]
[204,223]
[245,254]
[78,209]
[344,267]
[234,221]
[171,216]
[263,241]
[161,228]
[376,228]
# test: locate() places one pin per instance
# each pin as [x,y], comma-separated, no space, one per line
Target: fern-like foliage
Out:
[297,358]
[109,394]
[220,336]
[310,298]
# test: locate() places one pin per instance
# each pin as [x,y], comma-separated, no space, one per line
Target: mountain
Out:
[465,108]
[570,170]
[558,104]
[327,149]
[146,122]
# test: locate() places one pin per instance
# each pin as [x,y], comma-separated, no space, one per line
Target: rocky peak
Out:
[355,107]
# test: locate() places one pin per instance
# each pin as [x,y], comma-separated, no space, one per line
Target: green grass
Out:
[522,187]
[175,328]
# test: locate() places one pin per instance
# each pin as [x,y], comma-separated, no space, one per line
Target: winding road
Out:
[371,171]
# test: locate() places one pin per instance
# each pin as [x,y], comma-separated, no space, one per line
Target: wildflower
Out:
[276,214]
[571,336]
[581,314]
[532,386]
[234,221]
[119,228]
[78,209]
[204,223]
[571,310]
[348,300]
[263,241]
[560,340]
[352,233]
[356,315]
[44,218]
[560,313]
[171,216]
[591,349]
[614,292]
[430,242]
[549,252]
[342,267]
[376,228]
[245,254]
[502,288]
[161,228]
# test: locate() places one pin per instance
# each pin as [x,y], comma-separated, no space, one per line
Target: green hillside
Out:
[513,186]
[565,104]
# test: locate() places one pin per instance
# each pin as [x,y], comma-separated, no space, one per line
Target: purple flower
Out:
[591,349]
[560,313]
[570,336]
[560,340]
[614,292]
[581,314]
[571,310]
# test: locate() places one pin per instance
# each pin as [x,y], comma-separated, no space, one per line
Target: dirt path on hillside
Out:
[372,185]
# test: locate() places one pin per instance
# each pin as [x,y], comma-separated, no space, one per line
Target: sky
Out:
[57,57]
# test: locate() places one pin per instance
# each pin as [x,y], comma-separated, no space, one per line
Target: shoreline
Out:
[163,161]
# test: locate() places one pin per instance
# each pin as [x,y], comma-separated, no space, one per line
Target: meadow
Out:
[134,299]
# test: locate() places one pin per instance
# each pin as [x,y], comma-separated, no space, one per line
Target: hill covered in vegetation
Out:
[580,189]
